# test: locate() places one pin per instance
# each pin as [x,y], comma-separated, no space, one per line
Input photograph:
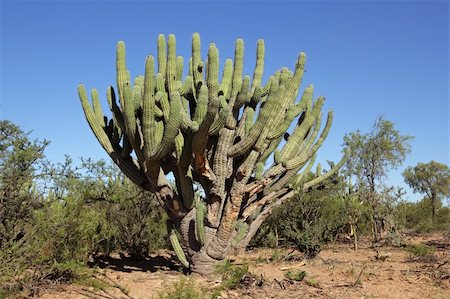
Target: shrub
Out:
[183,289]
[310,222]
[297,275]
[420,250]
[232,275]
[417,217]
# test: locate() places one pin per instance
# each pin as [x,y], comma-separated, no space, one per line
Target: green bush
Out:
[20,159]
[308,223]
[417,217]
[231,274]
[183,289]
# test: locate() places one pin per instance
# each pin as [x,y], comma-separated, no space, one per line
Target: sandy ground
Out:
[337,272]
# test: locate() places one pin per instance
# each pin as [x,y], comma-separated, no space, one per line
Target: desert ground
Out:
[337,272]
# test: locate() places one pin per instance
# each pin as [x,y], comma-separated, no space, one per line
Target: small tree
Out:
[217,134]
[372,155]
[19,159]
[431,179]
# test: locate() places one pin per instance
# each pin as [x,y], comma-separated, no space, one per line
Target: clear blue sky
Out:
[369,58]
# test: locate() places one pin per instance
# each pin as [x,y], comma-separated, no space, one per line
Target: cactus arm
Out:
[200,140]
[115,110]
[171,71]
[307,154]
[270,149]
[186,123]
[121,69]
[212,72]
[170,129]
[177,248]
[255,132]
[162,55]
[225,84]
[244,95]
[323,177]
[199,220]
[236,82]
[319,169]
[186,87]
[293,112]
[180,65]
[125,164]
[220,120]
[301,130]
[202,105]
[249,119]
[97,107]
[259,169]
[259,67]
[94,121]
[295,180]
[149,108]
[185,185]
[197,63]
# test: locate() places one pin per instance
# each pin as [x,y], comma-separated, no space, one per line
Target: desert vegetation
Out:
[215,177]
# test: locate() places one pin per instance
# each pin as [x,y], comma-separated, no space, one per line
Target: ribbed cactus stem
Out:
[149,107]
[225,84]
[199,220]
[300,131]
[180,66]
[97,107]
[197,63]
[171,64]
[323,177]
[121,69]
[202,104]
[318,169]
[171,129]
[212,72]
[93,120]
[259,67]
[244,94]
[162,55]
[177,248]
[259,170]
[238,67]
[115,109]
[129,111]
[249,119]
[186,87]
[297,179]
[219,122]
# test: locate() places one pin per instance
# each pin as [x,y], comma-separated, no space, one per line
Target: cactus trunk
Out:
[222,135]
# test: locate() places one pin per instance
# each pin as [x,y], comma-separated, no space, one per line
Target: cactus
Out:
[215,133]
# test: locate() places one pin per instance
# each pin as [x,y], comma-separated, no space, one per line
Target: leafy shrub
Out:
[183,289]
[420,250]
[231,274]
[417,217]
[310,220]
[19,160]
[297,275]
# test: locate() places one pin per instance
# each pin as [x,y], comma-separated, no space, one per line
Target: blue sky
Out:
[369,59]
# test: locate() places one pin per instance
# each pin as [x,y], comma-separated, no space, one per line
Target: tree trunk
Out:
[433,207]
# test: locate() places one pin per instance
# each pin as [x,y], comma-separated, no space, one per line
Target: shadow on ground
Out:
[144,264]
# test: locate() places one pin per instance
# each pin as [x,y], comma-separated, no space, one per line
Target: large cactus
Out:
[226,135]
